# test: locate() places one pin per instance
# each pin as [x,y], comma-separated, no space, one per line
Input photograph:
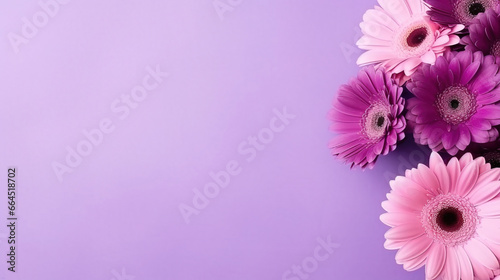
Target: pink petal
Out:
[426,178]
[454,171]
[428,57]
[483,167]
[494,247]
[405,232]
[410,192]
[477,250]
[466,271]
[434,160]
[453,40]
[373,56]
[467,179]
[490,233]
[457,28]
[452,266]
[413,249]
[397,204]
[487,177]
[480,271]
[465,159]
[415,263]
[490,208]
[393,219]
[391,244]
[435,261]
[443,40]
[444,179]
[484,194]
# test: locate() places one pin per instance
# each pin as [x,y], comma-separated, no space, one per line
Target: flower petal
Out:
[490,208]
[477,250]
[435,261]
[467,178]
[413,249]
[466,272]
[405,232]
[486,193]
[452,266]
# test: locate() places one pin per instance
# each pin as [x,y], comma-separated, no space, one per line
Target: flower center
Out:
[375,121]
[495,49]
[456,104]
[493,158]
[476,8]
[466,10]
[450,219]
[380,121]
[416,37]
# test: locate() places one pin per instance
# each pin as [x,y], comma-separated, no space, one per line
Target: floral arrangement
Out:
[444,55]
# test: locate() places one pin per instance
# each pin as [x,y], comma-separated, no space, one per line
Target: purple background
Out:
[118,211]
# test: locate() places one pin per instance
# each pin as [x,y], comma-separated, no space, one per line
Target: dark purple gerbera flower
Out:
[367,114]
[484,33]
[451,12]
[456,101]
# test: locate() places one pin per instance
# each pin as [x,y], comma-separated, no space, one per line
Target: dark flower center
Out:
[380,121]
[450,219]
[476,8]
[416,37]
[456,104]
[375,121]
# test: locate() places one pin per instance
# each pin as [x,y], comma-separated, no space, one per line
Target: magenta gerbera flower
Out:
[446,217]
[451,12]
[367,114]
[455,101]
[399,36]
[484,33]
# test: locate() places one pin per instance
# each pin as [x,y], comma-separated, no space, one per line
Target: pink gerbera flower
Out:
[451,12]
[367,114]
[399,36]
[446,217]
[456,101]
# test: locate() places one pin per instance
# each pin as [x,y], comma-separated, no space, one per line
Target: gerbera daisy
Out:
[446,217]
[451,12]
[484,33]
[399,36]
[455,101]
[367,114]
